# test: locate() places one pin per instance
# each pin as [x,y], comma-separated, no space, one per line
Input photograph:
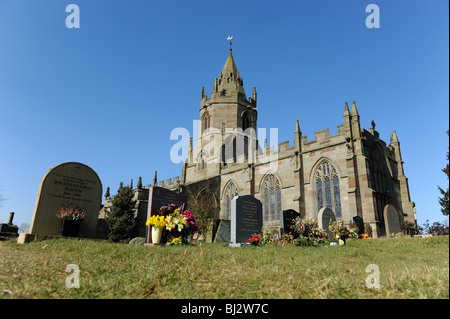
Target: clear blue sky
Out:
[109,93]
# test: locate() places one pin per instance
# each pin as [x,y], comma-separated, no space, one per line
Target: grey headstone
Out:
[223,231]
[246,218]
[326,217]
[391,220]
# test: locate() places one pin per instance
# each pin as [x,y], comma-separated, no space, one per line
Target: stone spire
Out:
[229,80]
[354,110]
[155,179]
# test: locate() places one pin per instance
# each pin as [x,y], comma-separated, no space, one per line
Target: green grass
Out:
[409,268]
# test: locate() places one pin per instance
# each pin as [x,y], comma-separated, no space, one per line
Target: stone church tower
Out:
[352,172]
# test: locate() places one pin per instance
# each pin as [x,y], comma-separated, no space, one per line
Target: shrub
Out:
[435,229]
[137,241]
[408,229]
[121,218]
[368,229]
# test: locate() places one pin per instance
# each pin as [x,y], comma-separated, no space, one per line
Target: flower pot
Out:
[70,228]
[156,235]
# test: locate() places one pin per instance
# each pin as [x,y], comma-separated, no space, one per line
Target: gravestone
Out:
[359,222]
[67,183]
[286,220]
[223,233]
[326,217]
[391,220]
[9,230]
[158,197]
[246,219]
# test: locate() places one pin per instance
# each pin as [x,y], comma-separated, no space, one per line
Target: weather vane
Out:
[230,37]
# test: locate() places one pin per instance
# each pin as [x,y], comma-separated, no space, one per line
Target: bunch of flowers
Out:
[174,241]
[266,237]
[364,236]
[156,221]
[71,212]
[341,232]
[309,232]
[254,240]
[179,223]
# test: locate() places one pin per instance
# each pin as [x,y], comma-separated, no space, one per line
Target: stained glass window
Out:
[266,204]
[272,198]
[319,194]
[327,188]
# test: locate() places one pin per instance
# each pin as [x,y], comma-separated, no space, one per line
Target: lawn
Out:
[408,268]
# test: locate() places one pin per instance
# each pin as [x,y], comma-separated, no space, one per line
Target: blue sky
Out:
[109,93]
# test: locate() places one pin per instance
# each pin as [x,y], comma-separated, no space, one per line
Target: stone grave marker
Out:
[9,230]
[326,217]
[158,197]
[286,220]
[391,220]
[359,223]
[66,183]
[223,233]
[246,219]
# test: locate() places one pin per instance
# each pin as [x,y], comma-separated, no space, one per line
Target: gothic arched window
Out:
[327,187]
[245,121]
[230,191]
[202,160]
[205,121]
[272,199]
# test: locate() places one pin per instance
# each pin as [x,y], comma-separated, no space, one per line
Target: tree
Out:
[203,202]
[121,217]
[444,200]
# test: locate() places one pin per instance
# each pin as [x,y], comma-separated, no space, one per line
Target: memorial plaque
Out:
[158,197]
[246,218]
[67,183]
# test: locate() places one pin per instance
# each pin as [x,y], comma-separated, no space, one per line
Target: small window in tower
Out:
[245,121]
[205,121]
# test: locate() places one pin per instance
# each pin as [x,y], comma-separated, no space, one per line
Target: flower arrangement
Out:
[174,241]
[309,232]
[254,240]
[364,236]
[156,221]
[70,212]
[178,223]
[341,232]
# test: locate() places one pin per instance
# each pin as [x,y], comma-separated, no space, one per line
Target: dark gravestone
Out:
[359,223]
[158,197]
[286,220]
[223,231]
[9,230]
[246,219]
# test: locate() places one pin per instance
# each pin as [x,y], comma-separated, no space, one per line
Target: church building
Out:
[352,172]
